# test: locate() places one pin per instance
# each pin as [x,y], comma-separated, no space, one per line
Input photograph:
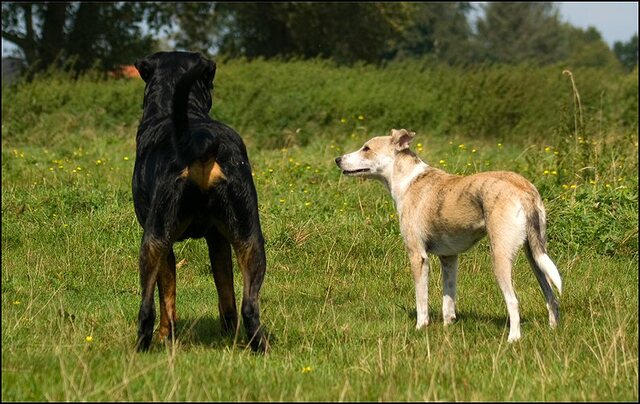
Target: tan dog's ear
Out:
[401,138]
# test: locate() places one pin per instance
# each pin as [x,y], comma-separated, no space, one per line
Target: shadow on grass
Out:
[206,331]
[499,321]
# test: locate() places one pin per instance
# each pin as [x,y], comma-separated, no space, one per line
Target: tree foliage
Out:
[519,32]
[346,32]
[440,30]
[82,34]
[627,52]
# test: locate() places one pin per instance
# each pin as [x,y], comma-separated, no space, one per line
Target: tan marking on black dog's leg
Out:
[252,262]
[167,294]
[152,252]
[222,270]
[184,173]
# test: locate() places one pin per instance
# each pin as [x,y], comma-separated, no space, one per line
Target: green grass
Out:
[338,297]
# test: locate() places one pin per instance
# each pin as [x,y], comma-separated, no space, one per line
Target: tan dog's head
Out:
[376,157]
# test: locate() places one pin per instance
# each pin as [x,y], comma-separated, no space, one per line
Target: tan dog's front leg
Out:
[420,269]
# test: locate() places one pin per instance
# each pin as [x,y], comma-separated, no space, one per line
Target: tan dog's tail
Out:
[536,242]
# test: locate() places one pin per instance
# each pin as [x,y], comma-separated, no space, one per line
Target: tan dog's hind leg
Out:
[506,229]
[449,278]
[502,269]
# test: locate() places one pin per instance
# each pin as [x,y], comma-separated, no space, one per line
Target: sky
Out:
[616,21]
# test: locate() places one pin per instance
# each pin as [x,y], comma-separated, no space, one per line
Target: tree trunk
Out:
[87,26]
[52,42]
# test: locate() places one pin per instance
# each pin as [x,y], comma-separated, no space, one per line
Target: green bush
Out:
[275,104]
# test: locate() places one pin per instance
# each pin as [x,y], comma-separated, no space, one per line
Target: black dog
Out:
[192,179]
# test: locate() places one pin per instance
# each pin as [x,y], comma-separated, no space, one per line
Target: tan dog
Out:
[445,214]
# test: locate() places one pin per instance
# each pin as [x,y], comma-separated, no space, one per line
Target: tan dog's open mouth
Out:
[356,172]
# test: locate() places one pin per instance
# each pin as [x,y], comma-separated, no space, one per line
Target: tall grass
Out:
[338,296]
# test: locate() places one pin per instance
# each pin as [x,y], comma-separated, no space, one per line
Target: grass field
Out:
[338,297]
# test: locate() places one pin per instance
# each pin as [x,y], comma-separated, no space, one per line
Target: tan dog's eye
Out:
[365,149]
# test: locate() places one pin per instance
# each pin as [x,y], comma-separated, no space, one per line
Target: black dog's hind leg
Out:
[222,270]
[157,264]
[252,261]
[167,295]
[153,254]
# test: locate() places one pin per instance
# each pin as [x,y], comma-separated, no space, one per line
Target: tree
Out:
[189,26]
[586,48]
[518,32]
[82,33]
[345,32]
[441,30]
[627,52]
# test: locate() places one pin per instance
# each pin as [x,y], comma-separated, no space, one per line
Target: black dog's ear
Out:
[209,72]
[145,68]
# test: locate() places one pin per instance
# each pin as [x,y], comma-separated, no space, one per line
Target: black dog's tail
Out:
[190,145]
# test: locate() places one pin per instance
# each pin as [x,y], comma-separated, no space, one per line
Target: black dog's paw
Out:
[229,324]
[259,342]
[143,343]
